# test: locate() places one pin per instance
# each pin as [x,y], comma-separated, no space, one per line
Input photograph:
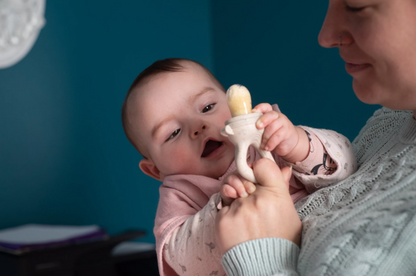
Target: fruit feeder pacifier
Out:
[241,129]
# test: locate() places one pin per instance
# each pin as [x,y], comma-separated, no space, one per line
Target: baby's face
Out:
[178,119]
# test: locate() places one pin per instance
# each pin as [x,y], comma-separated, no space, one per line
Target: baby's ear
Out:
[148,167]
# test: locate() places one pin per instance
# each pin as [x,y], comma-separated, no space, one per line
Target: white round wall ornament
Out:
[20,24]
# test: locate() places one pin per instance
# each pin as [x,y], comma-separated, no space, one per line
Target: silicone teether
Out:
[242,130]
[239,100]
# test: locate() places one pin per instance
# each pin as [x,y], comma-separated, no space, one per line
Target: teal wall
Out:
[272,48]
[64,158]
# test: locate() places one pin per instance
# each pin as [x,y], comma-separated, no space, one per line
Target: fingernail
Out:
[251,190]
[244,194]
[259,124]
[266,148]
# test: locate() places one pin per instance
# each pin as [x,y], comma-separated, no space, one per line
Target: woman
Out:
[366,224]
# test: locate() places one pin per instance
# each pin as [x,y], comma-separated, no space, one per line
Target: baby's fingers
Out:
[267,119]
[228,194]
[243,187]
[263,108]
[250,187]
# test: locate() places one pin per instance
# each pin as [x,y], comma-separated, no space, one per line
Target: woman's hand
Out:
[268,212]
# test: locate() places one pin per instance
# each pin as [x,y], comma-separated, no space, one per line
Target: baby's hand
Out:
[280,135]
[234,187]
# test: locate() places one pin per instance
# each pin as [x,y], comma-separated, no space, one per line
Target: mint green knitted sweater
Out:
[364,225]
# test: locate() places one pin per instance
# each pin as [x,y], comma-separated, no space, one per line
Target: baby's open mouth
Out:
[210,147]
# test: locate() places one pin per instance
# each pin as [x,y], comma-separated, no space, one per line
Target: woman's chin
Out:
[397,98]
[366,93]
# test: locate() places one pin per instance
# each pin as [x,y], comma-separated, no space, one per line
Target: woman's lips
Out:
[352,68]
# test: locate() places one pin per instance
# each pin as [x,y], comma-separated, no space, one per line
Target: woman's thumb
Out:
[287,174]
[268,174]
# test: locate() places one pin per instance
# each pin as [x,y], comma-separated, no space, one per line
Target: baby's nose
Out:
[199,131]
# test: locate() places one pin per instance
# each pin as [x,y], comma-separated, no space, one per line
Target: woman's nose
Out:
[333,31]
[327,37]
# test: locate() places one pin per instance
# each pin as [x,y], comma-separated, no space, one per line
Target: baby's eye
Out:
[208,107]
[354,9]
[176,132]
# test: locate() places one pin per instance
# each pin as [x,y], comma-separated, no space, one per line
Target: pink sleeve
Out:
[192,248]
[183,201]
[318,160]
[331,160]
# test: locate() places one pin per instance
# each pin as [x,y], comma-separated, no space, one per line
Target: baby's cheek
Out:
[181,160]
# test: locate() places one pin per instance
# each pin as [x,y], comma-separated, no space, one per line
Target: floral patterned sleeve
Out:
[318,160]
[192,248]
[330,160]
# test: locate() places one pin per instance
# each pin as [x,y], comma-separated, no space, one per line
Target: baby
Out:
[173,114]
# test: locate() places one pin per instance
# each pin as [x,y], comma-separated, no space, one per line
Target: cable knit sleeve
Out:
[262,257]
[192,249]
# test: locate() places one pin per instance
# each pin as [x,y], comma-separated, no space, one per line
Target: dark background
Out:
[64,158]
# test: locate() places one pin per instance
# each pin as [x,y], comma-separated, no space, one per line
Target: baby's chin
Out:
[220,173]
